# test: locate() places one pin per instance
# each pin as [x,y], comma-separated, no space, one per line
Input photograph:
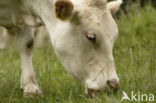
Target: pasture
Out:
[135,59]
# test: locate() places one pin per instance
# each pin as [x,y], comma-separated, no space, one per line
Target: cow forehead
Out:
[88,11]
[92,17]
[91,2]
[93,6]
[101,4]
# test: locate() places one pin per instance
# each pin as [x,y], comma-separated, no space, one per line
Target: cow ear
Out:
[114,6]
[63,9]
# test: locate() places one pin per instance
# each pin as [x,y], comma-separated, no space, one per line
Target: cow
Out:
[82,33]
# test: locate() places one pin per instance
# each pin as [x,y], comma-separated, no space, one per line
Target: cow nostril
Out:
[114,84]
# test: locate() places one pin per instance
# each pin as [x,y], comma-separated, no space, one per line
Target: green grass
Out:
[135,58]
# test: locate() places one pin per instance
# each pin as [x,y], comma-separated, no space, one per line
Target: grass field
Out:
[135,58]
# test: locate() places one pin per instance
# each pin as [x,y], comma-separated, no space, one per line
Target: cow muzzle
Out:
[111,86]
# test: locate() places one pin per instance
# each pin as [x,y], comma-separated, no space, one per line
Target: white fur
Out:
[41,36]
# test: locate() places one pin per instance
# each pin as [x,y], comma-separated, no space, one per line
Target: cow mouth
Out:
[111,87]
[93,93]
[90,93]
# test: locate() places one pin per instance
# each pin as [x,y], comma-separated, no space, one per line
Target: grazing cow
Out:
[82,32]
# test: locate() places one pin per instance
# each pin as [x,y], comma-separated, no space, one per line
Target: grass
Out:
[135,58]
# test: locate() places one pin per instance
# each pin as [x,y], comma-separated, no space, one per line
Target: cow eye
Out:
[91,37]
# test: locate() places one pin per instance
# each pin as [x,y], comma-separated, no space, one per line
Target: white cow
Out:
[82,32]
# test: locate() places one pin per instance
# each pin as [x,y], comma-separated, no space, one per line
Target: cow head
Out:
[84,36]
